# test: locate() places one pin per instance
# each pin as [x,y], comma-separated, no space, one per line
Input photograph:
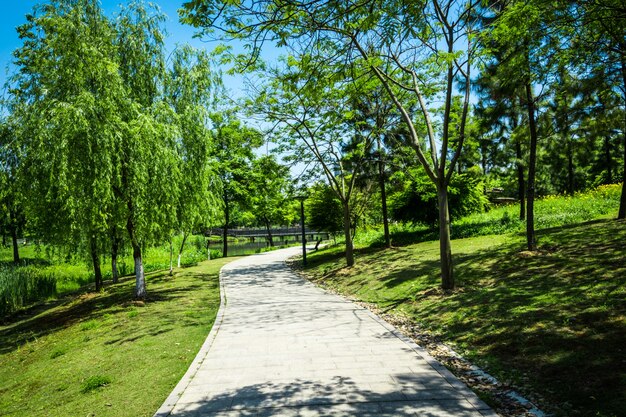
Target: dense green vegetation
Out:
[423,117]
[87,353]
[376,95]
[552,211]
[553,322]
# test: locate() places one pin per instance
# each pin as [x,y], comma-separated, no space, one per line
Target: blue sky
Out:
[13,14]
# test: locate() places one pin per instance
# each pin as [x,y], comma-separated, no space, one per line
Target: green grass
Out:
[550,211]
[552,321]
[46,271]
[105,354]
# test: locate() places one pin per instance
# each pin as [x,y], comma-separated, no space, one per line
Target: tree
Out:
[323,211]
[311,105]
[417,51]
[191,89]
[11,207]
[147,148]
[233,157]
[520,32]
[67,94]
[270,192]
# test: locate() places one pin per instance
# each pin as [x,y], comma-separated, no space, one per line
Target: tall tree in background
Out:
[519,33]
[147,160]
[11,206]
[69,93]
[191,89]
[311,105]
[271,188]
[233,156]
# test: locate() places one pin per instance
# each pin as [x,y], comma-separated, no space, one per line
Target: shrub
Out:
[22,285]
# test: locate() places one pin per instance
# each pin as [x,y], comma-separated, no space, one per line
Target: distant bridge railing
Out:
[257,232]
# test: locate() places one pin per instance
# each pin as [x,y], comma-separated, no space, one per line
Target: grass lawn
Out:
[103,354]
[553,321]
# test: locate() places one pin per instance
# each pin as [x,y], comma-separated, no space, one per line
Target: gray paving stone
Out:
[283,347]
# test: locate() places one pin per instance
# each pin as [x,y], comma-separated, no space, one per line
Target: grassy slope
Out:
[143,349]
[554,321]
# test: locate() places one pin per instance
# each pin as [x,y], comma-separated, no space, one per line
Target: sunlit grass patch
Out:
[88,353]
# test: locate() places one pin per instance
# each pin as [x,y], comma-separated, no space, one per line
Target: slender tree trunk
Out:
[570,154]
[521,192]
[171,257]
[16,247]
[531,240]
[269,232]
[226,221]
[622,202]
[4,239]
[140,278]
[95,258]
[348,234]
[383,194]
[208,249]
[182,245]
[608,160]
[114,249]
[445,246]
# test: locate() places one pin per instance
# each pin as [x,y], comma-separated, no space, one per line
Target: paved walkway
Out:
[283,347]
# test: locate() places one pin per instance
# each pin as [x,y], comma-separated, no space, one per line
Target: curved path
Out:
[282,347]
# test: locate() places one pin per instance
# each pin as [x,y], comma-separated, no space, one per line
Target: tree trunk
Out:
[140,278]
[171,257]
[570,168]
[347,234]
[208,249]
[531,241]
[114,249]
[383,195]
[95,258]
[16,248]
[521,192]
[226,221]
[445,246]
[182,245]
[4,239]
[269,232]
[622,201]
[608,160]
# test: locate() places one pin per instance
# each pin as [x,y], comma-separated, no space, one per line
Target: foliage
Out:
[417,202]
[323,211]
[20,286]
[552,211]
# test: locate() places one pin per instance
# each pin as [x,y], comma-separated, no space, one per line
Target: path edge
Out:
[170,402]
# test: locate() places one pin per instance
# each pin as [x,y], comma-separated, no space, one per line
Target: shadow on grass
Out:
[553,319]
[50,317]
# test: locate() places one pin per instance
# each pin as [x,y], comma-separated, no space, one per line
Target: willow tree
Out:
[419,51]
[12,217]
[147,172]
[68,93]
[193,87]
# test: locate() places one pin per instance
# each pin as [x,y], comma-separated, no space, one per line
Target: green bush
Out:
[22,285]
[418,202]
